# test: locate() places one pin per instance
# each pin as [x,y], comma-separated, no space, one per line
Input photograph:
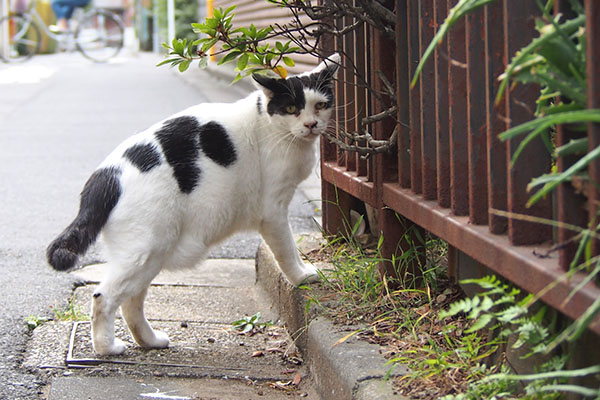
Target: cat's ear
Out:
[328,68]
[326,71]
[268,85]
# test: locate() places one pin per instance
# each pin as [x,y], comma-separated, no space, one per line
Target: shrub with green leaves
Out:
[255,50]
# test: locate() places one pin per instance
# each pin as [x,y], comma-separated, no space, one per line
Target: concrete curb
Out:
[352,370]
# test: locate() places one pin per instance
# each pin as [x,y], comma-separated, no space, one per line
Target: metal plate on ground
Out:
[198,350]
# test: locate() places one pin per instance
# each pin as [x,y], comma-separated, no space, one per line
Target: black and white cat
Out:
[167,194]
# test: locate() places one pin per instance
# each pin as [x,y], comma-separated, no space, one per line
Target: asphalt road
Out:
[60,115]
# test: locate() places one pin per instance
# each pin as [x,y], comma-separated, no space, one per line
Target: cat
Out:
[167,194]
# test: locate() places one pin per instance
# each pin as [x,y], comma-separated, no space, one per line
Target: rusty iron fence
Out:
[451,172]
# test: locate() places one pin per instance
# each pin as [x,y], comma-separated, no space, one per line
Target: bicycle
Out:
[98,34]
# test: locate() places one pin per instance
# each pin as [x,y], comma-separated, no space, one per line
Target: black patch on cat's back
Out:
[178,138]
[216,144]
[143,156]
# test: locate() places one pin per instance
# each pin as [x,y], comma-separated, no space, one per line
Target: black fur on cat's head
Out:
[282,93]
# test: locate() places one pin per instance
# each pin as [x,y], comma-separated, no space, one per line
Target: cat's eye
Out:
[320,105]
[291,109]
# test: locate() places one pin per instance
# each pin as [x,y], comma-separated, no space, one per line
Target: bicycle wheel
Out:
[99,35]
[19,38]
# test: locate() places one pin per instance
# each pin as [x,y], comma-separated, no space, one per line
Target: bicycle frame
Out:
[78,38]
[36,18]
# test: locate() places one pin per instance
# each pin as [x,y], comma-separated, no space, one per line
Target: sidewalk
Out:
[208,359]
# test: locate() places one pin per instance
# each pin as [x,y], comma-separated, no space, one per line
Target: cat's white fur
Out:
[151,229]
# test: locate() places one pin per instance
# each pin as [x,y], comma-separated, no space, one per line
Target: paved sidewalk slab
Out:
[193,303]
[213,272]
[77,388]
[207,358]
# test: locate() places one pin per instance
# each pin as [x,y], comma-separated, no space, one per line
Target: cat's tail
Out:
[98,198]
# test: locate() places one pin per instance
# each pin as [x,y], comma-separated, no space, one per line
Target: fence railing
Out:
[451,175]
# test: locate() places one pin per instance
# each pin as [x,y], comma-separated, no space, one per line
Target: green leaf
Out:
[575,146]
[481,323]
[568,27]
[562,177]
[229,57]
[166,61]
[183,66]
[230,9]
[203,62]
[243,62]
[237,78]
[572,117]
[209,44]
[288,61]
[548,375]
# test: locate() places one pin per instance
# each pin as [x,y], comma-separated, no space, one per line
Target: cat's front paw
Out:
[306,273]
[110,349]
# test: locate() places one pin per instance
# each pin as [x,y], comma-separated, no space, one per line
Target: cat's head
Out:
[301,104]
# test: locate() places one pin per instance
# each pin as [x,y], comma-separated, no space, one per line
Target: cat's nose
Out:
[310,124]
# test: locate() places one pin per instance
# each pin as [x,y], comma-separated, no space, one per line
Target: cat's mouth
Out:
[311,134]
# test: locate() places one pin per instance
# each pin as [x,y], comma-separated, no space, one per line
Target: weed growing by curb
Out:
[72,312]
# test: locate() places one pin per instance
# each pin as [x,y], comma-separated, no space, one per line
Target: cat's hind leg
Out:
[103,325]
[142,332]
[122,283]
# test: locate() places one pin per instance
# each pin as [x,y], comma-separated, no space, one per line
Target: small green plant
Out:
[33,321]
[503,310]
[72,312]
[251,324]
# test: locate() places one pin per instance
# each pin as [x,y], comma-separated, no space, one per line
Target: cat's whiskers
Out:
[273,139]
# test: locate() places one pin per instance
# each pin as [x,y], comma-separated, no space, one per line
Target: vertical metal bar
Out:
[349,84]
[389,223]
[414,97]
[519,30]
[478,212]
[402,90]
[328,153]
[592,26]
[339,93]
[440,10]
[457,101]
[402,236]
[570,206]
[427,86]
[360,93]
[495,115]
[336,209]
[383,62]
